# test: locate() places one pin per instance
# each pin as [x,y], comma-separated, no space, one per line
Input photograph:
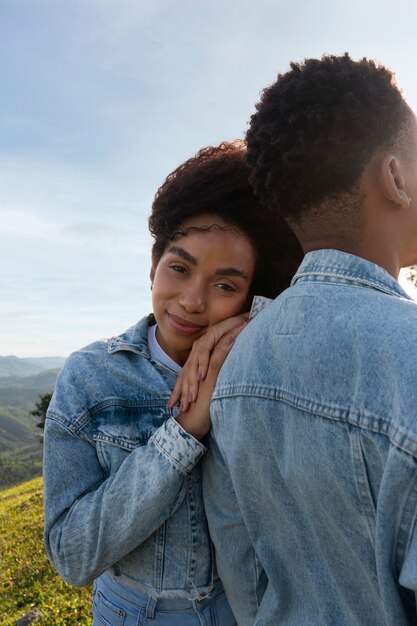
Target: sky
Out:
[101,99]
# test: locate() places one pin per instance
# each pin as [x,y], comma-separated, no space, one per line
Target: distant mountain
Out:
[15,366]
[21,392]
[20,446]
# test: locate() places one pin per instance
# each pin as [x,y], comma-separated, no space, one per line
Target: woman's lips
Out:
[183,327]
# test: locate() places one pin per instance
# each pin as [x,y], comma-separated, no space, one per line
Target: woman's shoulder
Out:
[103,369]
[98,353]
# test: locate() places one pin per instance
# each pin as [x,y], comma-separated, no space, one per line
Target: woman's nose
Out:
[193,299]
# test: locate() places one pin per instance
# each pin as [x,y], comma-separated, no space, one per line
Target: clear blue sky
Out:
[101,99]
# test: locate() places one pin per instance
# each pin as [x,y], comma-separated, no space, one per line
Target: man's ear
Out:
[394,181]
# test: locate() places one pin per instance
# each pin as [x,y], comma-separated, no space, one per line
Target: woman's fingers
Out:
[196,418]
[217,339]
[220,353]
[176,392]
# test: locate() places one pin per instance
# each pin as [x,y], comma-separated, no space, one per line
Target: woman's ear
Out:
[394,181]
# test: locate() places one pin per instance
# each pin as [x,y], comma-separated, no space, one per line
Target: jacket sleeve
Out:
[238,566]
[92,521]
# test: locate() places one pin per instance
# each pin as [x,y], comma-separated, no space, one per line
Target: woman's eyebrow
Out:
[222,271]
[231,271]
[184,254]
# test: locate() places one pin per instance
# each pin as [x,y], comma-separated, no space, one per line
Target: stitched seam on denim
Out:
[63,423]
[169,594]
[340,272]
[130,404]
[363,487]
[398,436]
[120,346]
[405,529]
[75,425]
[339,281]
[160,537]
[121,442]
[346,281]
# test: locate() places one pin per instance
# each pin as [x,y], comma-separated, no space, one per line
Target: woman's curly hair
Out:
[216,182]
[317,127]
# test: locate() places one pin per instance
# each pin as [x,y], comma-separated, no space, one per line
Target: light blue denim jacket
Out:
[122,479]
[310,485]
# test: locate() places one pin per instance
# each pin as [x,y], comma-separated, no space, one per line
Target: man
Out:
[311,483]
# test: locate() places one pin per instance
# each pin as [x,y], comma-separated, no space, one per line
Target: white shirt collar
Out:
[158,354]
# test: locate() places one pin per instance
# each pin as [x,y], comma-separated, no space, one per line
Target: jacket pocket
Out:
[119,428]
[363,485]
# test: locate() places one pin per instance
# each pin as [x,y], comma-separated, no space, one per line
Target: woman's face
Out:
[201,279]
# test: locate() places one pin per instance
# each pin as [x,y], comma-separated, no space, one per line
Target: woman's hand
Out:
[195,419]
[195,369]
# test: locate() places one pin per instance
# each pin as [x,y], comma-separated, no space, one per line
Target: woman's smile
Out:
[184,327]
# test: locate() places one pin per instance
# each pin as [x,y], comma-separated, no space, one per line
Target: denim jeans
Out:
[117,605]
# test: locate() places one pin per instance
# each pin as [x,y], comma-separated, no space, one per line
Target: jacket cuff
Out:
[178,445]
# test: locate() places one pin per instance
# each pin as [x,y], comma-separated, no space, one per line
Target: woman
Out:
[122,475]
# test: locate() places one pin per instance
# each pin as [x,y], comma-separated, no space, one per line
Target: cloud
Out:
[100,100]
[25,224]
[94,232]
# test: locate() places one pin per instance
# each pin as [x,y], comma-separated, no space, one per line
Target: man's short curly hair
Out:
[216,182]
[317,127]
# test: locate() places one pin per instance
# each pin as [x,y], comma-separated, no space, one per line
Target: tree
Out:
[41,408]
[412,275]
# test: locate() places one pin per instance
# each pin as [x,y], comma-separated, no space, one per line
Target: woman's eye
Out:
[178,268]
[226,287]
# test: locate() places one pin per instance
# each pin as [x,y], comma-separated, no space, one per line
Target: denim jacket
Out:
[310,484]
[122,479]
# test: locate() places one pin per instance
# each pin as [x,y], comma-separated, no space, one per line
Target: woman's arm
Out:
[93,520]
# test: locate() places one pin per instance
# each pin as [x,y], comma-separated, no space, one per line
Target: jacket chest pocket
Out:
[120,428]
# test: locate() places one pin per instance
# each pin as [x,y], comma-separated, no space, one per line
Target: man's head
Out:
[316,130]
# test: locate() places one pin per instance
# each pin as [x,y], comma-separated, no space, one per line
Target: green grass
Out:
[27,579]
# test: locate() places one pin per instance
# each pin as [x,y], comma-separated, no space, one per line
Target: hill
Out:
[15,366]
[27,580]
[20,446]
[19,391]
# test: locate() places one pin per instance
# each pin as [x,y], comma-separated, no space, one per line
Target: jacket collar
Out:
[337,265]
[134,339]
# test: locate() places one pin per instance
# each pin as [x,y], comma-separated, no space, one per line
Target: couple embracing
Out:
[207,469]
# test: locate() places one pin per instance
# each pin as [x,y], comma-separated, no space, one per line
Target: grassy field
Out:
[26,577]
